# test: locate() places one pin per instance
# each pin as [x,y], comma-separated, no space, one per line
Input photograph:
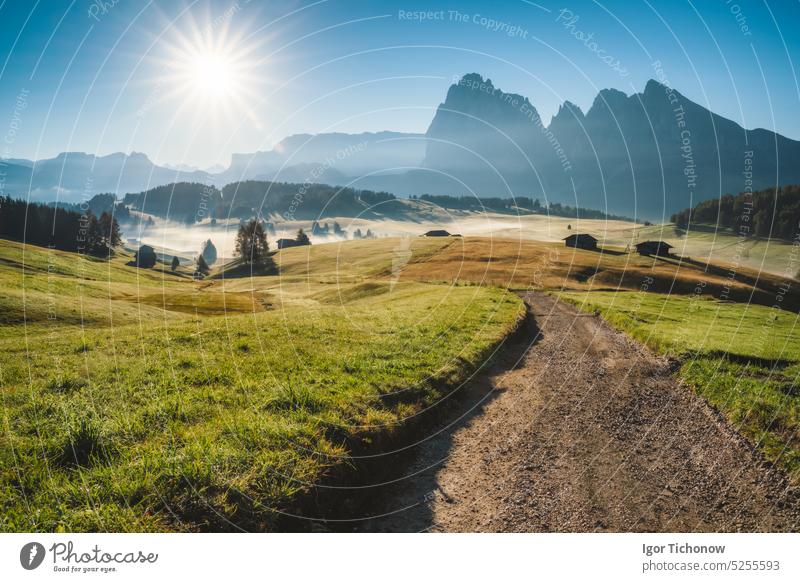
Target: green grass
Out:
[156,406]
[140,400]
[743,359]
[47,289]
[721,246]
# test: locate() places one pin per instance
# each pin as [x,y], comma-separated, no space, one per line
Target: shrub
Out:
[145,257]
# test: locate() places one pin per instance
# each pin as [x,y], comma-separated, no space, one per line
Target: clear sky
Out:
[193,82]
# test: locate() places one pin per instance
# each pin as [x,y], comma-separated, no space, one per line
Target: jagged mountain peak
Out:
[568,112]
[654,87]
[607,99]
[652,152]
[476,98]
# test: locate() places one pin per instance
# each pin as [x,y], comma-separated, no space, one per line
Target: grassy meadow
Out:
[705,243]
[140,400]
[743,359]
[701,243]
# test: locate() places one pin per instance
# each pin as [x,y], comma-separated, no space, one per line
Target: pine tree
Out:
[209,252]
[202,266]
[110,237]
[251,243]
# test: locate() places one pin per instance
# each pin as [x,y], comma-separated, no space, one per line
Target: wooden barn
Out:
[581,241]
[653,247]
[437,233]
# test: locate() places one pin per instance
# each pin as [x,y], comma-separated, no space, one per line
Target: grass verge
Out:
[743,359]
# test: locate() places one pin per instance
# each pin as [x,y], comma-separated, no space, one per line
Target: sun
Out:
[209,76]
[212,75]
[209,73]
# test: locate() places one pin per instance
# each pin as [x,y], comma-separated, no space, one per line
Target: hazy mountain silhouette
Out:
[338,154]
[73,176]
[654,152]
[649,154]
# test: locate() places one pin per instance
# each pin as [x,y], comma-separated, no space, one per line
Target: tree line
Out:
[99,204]
[297,201]
[58,228]
[517,205]
[191,202]
[187,202]
[773,212]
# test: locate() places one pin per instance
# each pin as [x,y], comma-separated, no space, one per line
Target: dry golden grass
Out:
[530,264]
[516,264]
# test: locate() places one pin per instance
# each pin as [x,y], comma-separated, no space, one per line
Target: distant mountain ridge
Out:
[333,154]
[647,155]
[75,176]
[331,158]
[655,151]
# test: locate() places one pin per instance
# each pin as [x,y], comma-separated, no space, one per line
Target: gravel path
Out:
[582,429]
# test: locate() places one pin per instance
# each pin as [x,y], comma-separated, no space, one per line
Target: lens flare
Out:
[210,70]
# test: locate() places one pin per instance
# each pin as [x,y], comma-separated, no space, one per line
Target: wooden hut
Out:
[653,247]
[581,241]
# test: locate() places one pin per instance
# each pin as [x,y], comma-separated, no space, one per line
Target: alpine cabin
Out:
[581,241]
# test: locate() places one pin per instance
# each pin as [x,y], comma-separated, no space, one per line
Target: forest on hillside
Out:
[518,205]
[187,202]
[302,201]
[192,202]
[770,213]
[59,228]
[99,204]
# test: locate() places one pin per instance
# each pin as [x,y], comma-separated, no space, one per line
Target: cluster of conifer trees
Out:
[774,212]
[58,228]
[520,204]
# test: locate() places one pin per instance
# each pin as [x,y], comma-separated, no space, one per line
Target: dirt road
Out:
[581,429]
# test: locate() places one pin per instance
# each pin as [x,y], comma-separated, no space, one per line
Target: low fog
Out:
[176,238]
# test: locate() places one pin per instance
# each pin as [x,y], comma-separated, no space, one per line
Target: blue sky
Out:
[101,77]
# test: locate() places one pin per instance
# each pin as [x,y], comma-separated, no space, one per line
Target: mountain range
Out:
[646,155]
[76,176]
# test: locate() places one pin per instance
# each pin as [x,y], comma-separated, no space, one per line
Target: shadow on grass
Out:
[772,364]
[606,251]
[238,269]
[763,289]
